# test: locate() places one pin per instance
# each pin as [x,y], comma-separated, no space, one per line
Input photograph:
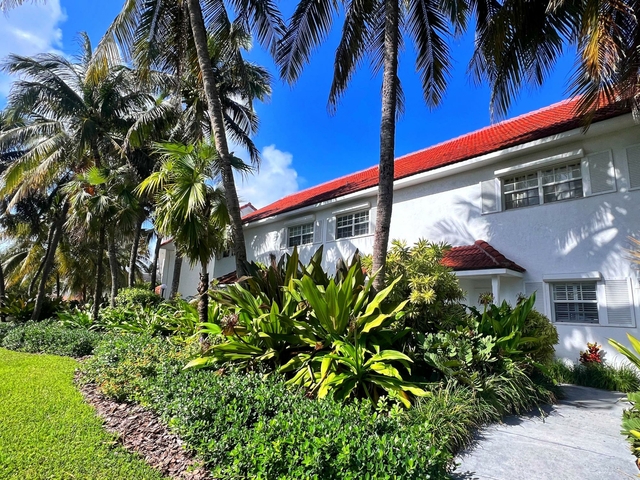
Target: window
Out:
[300,234]
[352,225]
[575,302]
[545,186]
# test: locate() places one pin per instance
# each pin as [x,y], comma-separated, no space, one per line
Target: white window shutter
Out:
[490,193]
[372,220]
[317,231]
[619,304]
[602,178]
[535,287]
[283,238]
[331,229]
[633,164]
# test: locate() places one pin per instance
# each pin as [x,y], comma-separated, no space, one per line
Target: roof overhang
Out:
[488,272]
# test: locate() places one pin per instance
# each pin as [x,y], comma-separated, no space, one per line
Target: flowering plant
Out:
[593,354]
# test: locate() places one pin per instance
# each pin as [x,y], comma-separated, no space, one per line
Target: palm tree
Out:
[518,42]
[145,29]
[374,28]
[72,121]
[189,208]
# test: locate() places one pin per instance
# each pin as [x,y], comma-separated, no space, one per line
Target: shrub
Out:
[432,289]
[248,425]
[18,308]
[538,326]
[45,337]
[136,296]
[5,328]
[122,363]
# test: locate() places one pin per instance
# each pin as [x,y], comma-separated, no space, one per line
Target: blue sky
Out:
[303,144]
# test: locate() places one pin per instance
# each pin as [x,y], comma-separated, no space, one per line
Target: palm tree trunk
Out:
[154,265]
[113,266]
[34,280]
[133,259]
[3,317]
[48,264]
[203,291]
[387,142]
[216,118]
[97,294]
[175,282]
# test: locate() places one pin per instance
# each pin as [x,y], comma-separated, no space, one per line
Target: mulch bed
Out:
[141,431]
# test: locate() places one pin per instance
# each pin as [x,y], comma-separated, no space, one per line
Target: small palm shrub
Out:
[48,337]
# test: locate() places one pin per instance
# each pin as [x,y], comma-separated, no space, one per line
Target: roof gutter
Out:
[599,128]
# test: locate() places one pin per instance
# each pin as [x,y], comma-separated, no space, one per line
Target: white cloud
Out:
[274,180]
[28,30]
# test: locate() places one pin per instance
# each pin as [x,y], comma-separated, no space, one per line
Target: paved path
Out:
[578,440]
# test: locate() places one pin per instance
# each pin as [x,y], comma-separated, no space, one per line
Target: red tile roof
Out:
[542,123]
[479,256]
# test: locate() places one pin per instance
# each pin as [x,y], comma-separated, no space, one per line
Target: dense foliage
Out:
[137,296]
[47,337]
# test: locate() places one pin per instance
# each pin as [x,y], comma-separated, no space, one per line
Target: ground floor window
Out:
[575,302]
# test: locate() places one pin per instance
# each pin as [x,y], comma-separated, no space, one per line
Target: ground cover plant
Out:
[47,432]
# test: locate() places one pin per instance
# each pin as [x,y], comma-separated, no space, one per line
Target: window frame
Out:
[353,225]
[597,301]
[302,234]
[539,172]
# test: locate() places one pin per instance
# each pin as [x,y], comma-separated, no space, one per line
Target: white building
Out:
[540,204]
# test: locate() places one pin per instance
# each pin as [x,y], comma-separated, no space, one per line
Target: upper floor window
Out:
[300,234]
[575,302]
[545,186]
[352,225]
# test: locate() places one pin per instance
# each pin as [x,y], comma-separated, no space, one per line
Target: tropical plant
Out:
[375,29]
[182,44]
[68,122]
[519,43]
[432,288]
[188,208]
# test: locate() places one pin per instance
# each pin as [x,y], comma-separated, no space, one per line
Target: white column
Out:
[495,289]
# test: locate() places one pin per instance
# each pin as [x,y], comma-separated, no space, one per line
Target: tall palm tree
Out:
[189,208]
[375,28]
[143,26]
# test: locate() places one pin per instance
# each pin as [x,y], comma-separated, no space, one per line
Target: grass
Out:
[48,432]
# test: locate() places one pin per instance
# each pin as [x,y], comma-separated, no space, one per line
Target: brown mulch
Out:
[141,431]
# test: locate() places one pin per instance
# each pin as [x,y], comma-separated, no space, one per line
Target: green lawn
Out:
[48,432]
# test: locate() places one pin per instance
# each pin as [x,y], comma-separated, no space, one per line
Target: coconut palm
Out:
[189,207]
[374,29]
[72,121]
[145,29]
[519,42]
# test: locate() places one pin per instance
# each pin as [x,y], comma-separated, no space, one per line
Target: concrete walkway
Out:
[579,439]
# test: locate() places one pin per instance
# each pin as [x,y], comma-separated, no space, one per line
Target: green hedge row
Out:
[47,337]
